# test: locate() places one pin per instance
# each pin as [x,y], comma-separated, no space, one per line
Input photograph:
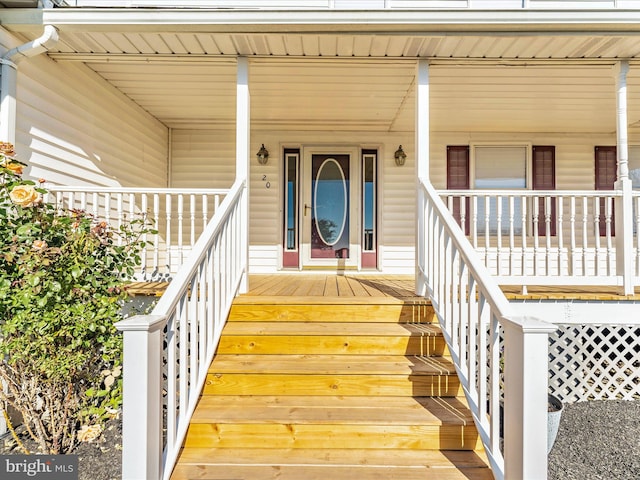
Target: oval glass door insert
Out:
[330,202]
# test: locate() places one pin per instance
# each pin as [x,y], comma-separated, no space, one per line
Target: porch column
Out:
[242,160]
[422,169]
[623,205]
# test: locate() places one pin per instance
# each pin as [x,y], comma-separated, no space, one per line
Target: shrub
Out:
[62,274]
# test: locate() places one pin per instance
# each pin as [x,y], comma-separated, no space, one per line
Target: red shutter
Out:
[606,172]
[544,178]
[458,179]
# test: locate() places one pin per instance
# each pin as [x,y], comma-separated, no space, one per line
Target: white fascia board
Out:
[614,21]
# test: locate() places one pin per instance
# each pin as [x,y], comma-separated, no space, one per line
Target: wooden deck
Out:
[391,287]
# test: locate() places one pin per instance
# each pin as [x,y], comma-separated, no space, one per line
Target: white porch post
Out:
[526,378]
[422,169]
[623,205]
[142,401]
[242,160]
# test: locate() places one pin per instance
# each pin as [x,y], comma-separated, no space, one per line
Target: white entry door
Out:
[330,207]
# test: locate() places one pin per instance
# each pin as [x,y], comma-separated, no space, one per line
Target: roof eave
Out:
[615,21]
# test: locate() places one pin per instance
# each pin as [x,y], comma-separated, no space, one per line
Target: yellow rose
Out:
[39,245]
[14,167]
[24,195]
[7,149]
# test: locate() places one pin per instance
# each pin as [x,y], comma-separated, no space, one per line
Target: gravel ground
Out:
[597,440]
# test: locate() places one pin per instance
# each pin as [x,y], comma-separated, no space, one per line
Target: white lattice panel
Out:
[595,362]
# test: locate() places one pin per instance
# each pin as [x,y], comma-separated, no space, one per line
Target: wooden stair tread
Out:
[346,457]
[332,329]
[331,364]
[325,472]
[332,410]
[327,300]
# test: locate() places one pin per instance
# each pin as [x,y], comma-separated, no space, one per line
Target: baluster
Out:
[637,234]
[192,219]
[611,267]
[572,234]
[560,233]
[120,215]
[96,205]
[474,221]
[180,227]
[144,206]
[523,234]
[156,237]
[205,213]
[547,233]
[511,212]
[596,229]
[71,201]
[463,214]
[498,234]
[494,382]
[107,208]
[585,218]
[487,228]
[536,233]
[83,201]
[168,239]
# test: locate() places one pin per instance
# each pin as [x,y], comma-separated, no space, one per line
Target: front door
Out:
[331,204]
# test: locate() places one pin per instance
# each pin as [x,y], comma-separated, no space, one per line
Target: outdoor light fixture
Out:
[263,155]
[400,156]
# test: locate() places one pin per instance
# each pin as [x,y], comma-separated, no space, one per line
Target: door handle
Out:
[306,207]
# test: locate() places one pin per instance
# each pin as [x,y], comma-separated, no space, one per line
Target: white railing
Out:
[187,321]
[541,237]
[178,215]
[474,315]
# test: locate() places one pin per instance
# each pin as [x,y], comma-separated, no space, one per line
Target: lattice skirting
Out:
[595,362]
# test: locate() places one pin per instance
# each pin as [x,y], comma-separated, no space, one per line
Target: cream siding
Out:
[74,128]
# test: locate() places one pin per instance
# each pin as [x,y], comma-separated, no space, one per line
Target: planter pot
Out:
[553,420]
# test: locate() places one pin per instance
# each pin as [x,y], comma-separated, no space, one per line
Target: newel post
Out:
[142,396]
[526,379]
[623,212]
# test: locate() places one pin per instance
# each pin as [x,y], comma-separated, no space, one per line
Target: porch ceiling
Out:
[535,80]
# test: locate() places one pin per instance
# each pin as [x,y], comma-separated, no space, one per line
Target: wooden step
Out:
[291,375]
[306,388]
[327,309]
[333,422]
[332,338]
[329,464]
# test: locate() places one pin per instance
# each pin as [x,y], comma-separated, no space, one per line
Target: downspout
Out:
[9,80]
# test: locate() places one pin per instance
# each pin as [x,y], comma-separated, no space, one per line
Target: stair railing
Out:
[501,359]
[167,353]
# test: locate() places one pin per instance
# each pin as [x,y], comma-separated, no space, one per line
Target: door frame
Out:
[354,212]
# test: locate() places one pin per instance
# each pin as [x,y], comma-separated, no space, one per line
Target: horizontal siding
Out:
[73,128]
[202,158]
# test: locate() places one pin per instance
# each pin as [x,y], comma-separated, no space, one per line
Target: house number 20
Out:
[267,182]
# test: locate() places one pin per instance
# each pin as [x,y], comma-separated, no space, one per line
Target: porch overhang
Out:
[616,21]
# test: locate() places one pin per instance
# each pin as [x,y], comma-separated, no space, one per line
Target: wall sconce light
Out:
[400,156]
[263,155]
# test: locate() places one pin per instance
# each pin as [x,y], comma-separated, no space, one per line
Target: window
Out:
[498,168]
[369,208]
[506,167]
[290,257]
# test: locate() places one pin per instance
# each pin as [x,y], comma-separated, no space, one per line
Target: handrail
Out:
[496,353]
[192,311]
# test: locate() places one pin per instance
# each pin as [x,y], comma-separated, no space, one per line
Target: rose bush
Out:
[62,274]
